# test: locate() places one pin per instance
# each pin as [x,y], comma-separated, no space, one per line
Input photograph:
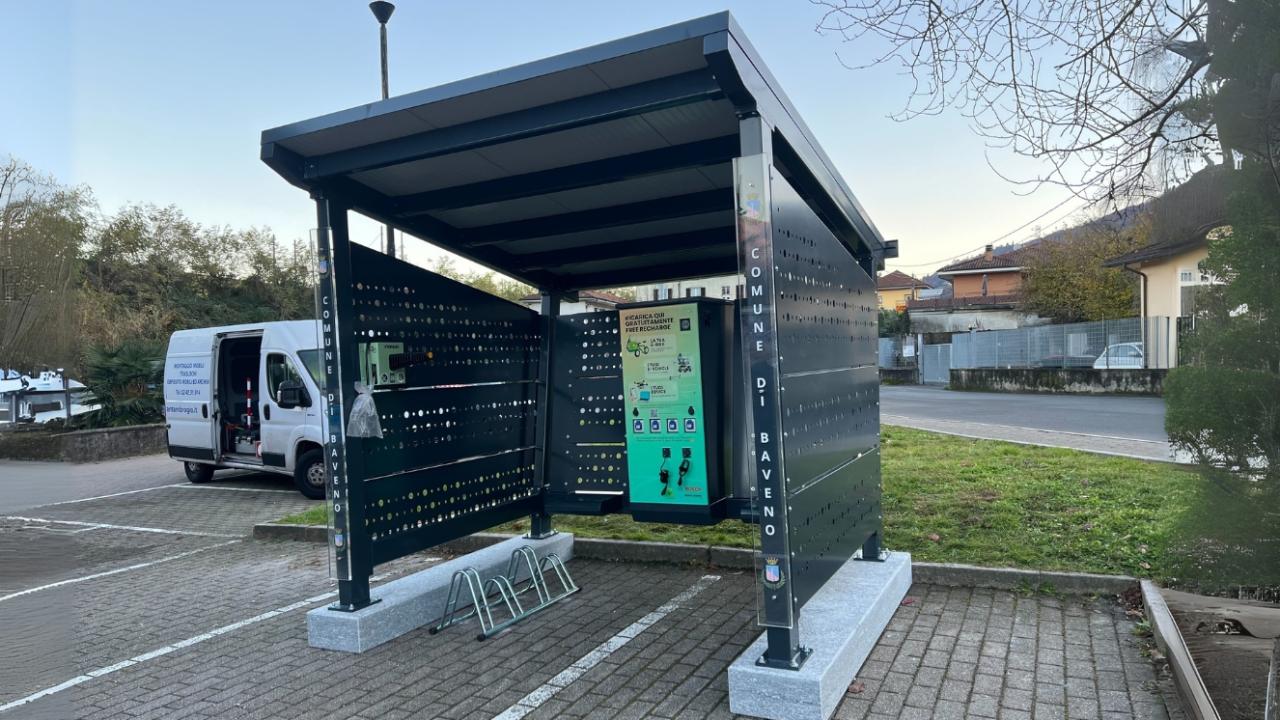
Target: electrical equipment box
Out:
[375,364]
[675,375]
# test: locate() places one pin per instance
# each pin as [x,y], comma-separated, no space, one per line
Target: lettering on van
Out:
[186,380]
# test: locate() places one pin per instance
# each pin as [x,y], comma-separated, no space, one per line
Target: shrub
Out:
[126,381]
[1224,415]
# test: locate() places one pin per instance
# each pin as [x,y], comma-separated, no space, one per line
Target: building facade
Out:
[894,289]
[723,287]
[986,294]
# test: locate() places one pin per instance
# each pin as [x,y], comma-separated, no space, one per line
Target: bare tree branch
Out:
[1089,87]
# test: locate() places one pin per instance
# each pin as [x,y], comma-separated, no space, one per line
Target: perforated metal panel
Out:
[408,512]
[588,450]
[828,418]
[430,426]
[831,519]
[826,334]
[472,336]
[457,451]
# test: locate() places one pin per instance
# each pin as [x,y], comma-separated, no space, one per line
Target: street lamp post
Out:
[382,12]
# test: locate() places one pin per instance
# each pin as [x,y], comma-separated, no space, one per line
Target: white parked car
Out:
[1121,356]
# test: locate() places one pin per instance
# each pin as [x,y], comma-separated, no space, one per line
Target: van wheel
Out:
[308,475]
[198,472]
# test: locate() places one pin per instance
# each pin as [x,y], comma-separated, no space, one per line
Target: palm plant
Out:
[126,381]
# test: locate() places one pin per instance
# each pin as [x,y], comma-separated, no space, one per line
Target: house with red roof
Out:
[985,294]
[894,289]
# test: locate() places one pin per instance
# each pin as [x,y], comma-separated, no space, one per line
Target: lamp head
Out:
[382,10]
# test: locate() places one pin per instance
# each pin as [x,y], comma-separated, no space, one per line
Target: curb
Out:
[281,531]
[1272,710]
[639,551]
[1169,639]
[1070,583]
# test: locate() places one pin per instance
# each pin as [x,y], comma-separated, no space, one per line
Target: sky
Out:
[164,103]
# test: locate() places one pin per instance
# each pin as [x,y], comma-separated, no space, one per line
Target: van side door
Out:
[189,408]
[282,425]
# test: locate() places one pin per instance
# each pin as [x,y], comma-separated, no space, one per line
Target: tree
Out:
[894,323]
[1116,97]
[41,227]
[1223,401]
[1120,100]
[149,271]
[1064,278]
[488,281]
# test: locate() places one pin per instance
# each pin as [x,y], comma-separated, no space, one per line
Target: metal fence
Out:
[1127,343]
[935,364]
[898,352]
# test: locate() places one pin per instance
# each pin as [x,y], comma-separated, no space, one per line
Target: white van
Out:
[247,396]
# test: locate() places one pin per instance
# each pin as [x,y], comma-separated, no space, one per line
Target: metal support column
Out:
[540,520]
[344,462]
[779,613]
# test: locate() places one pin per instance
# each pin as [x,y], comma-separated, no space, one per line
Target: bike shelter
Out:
[667,155]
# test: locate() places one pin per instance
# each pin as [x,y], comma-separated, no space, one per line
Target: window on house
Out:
[726,292]
[739,291]
[984,284]
[1193,285]
[695,292]
[655,294]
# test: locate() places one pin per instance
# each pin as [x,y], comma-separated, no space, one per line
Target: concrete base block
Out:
[840,625]
[416,600]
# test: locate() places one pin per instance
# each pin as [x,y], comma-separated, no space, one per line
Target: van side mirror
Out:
[292,394]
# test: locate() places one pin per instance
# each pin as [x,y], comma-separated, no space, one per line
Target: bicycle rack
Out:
[505,591]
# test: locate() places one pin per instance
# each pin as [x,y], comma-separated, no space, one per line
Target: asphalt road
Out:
[30,484]
[1140,418]
[1112,424]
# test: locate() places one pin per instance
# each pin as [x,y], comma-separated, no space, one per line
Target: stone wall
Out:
[900,376]
[33,443]
[1060,380]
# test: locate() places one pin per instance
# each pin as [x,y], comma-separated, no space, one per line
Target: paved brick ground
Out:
[951,653]
[30,484]
[192,508]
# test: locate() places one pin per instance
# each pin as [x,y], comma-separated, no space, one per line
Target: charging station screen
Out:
[662,375]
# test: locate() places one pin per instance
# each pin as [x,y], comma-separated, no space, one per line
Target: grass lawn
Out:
[953,499]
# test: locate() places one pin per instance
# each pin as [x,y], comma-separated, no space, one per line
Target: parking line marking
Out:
[173,647]
[158,652]
[126,492]
[548,690]
[108,526]
[116,571]
[237,489]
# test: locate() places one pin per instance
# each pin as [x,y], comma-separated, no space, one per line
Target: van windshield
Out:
[311,359]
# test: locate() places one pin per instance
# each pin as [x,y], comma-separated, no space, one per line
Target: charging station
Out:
[675,373]
[667,155]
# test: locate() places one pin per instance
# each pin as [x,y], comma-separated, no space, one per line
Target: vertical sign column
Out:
[333,254]
[760,353]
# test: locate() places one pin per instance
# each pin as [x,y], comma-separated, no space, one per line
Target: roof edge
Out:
[670,34]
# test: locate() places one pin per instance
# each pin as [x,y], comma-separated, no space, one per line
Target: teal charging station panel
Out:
[675,377]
